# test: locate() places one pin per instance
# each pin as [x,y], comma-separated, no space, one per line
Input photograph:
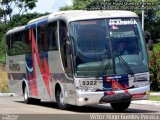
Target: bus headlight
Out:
[86,89]
[81,99]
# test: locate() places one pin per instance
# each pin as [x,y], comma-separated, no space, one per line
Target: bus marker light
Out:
[148,93]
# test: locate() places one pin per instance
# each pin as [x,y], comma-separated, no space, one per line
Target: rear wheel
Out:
[27,100]
[120,106]
[60,99]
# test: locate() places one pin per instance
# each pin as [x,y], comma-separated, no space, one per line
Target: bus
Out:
[80,57]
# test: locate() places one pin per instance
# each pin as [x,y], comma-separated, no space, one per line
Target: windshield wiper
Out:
[128,68]
[103,68]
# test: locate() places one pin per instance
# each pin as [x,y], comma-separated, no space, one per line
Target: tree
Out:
[152,16]
[8,19]
[79,5]
[8,7]
[17,20]
[20,20]
[66,8]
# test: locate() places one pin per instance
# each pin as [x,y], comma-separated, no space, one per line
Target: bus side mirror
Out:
[68,46]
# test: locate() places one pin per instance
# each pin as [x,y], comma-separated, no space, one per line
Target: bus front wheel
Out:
[60,99]
[120,106]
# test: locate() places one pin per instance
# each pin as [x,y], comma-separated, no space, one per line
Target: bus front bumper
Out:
[86,98]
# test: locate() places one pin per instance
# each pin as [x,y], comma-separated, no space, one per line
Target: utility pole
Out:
[142,15]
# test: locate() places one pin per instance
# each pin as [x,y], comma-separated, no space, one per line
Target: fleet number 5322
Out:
[88,82]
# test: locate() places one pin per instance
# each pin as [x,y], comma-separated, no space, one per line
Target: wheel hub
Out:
[61,98]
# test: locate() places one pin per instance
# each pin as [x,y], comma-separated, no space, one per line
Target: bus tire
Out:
[120,106]
[60,99]
[27,100]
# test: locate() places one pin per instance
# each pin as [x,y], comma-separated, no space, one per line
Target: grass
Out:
[4,83]
[154,98]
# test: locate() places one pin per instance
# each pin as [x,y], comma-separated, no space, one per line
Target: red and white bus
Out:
[80,58]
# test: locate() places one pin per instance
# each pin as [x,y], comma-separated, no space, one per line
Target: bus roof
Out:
[16,29]
[38,19]
[74,15]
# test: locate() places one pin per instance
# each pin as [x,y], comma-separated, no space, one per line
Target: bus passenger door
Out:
[66,58]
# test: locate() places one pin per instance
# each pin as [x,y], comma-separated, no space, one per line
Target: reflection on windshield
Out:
[93,40]
[124,36]
[90,40]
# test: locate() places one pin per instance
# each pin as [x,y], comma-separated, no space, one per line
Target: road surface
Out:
[16,106]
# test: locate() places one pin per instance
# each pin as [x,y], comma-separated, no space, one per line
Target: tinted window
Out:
[46,37]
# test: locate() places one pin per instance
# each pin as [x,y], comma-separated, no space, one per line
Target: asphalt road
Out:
[16,106]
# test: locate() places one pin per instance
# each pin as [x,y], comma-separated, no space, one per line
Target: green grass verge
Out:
[154,98]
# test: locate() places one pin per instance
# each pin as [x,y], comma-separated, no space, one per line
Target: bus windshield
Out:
[108,46]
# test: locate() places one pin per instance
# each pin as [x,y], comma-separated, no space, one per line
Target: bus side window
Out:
[46,37]
[52,36]
[18,46]
[27,41]
[66,58]
[8,43]
[42,38]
